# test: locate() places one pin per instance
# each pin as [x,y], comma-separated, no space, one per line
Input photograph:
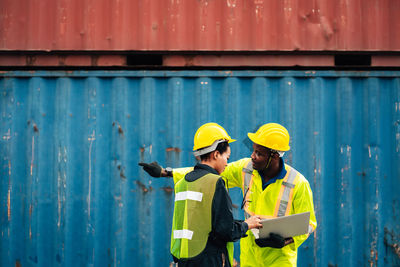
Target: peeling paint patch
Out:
[120,130]
[91,138]
[7,135]
[122,171]
[168,189]
[9,203]
[175,149]
[373,260]
[33,154]
[143,148]
[362,173]
[143,186]
[392,243]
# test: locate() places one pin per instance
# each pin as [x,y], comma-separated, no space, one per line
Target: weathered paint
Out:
[75,59]
[72,194]
[230,25]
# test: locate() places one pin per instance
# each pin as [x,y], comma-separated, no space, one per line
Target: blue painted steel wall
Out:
[72,193]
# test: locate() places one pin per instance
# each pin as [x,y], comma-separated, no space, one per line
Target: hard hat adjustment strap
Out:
[269,160]
[208,149]
[280,153]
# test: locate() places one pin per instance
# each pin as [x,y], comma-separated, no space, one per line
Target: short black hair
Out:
[221,148]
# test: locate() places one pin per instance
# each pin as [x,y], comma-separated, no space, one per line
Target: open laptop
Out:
[286,226]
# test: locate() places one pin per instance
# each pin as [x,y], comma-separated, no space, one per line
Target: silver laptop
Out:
[286,226]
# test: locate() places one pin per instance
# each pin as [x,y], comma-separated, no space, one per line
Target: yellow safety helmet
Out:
[271,135]
[208,136]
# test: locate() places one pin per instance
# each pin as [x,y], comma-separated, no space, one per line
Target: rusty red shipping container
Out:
[211,25]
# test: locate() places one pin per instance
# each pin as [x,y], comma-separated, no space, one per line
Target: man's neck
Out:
[271,172]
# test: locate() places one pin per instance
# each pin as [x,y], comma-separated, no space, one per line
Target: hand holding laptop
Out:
[285,226]
[274,241]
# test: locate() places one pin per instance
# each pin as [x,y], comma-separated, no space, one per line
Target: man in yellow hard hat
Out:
[203,223]
[270,188]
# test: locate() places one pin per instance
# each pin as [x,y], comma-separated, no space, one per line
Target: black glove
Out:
[273,241]
[153,168]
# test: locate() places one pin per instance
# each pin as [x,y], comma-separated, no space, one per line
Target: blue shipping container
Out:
[72,193]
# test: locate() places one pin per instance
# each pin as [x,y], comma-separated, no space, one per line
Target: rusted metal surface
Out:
[72,194]
[229,25]
[393,61]
[195,60]
[61,60]
[249,60]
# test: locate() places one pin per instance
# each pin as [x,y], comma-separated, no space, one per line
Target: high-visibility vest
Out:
[191,223]
[286,195]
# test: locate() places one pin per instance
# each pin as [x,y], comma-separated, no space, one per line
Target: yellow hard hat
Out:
[208,136]
[271,135]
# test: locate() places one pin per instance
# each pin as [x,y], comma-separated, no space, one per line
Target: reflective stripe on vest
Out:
[197,196]
[285,196]
[286,192]
[247,175]
[191,222]
[179,234]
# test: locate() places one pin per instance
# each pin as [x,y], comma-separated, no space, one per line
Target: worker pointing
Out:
[203,223]
[270,188]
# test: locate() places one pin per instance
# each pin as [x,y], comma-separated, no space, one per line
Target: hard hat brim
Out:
[253,138]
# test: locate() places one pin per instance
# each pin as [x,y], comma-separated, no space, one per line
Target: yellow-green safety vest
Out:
[284,201]
[191,223]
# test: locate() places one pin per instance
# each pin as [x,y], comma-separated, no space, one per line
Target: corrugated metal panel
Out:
[72,193]
[200,25]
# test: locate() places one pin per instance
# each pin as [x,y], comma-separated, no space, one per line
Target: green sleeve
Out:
[233,173]
[179,173]
[303,202]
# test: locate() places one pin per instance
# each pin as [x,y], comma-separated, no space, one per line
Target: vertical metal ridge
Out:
[104,164]
[229,103]
[318,109]
[328,215]
[147,136]
[62,87]
[204,100]
[357,178]
[32,178]
[76,174]
[345,161]
[91,176]
[44,183]
[118,178]
[174,102]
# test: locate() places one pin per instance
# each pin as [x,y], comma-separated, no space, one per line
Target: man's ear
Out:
[275,155]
